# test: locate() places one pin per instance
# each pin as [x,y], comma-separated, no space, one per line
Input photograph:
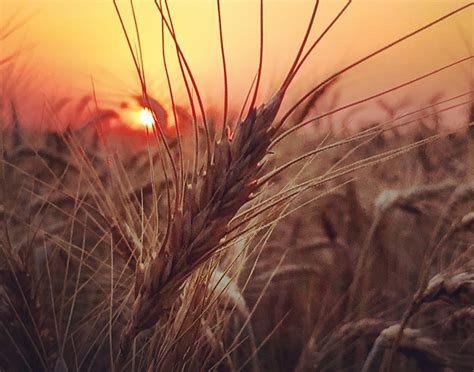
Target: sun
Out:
[146,117]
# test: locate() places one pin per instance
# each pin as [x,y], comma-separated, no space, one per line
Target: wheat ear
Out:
[416,344]
[209,204]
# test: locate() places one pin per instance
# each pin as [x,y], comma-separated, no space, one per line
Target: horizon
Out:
[84,51]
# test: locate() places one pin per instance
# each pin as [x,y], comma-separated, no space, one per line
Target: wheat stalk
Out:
[313,357]
[460,322]
[415,343]
[450,287]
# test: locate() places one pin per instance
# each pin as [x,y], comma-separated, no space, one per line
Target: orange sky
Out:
[65,44]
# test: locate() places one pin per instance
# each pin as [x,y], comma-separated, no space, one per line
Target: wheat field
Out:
[246,239]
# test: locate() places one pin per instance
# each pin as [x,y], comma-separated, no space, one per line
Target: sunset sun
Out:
[146,117]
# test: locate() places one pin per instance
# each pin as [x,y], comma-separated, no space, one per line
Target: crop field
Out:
[296,218]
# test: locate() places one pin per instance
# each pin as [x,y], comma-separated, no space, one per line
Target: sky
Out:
[72,48]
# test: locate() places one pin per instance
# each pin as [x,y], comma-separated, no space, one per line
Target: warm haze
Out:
[237,185]
[69,48]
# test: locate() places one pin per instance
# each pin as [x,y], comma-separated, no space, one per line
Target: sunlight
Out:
[146,118]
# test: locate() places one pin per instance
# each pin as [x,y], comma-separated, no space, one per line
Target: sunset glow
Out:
[48,54]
